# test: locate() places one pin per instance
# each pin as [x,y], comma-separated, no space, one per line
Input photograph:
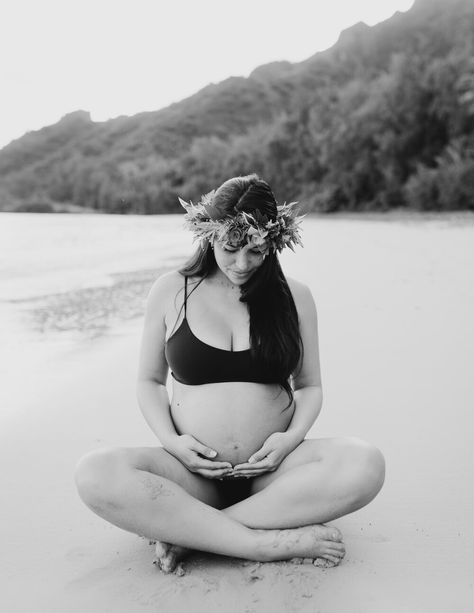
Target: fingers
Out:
[245,470]
[251,470]
[212,474]
[258,455]
[197,451]
[199,464]
[203,450]
[194,445]
[248,473]
[252,466]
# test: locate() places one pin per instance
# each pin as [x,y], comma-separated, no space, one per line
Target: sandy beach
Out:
[395,298]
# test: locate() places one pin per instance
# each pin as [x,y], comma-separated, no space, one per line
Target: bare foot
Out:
[321,543]
[168,556]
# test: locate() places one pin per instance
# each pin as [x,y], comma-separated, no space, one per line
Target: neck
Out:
[219,279]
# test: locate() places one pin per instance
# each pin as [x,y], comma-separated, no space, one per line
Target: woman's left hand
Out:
[268,458]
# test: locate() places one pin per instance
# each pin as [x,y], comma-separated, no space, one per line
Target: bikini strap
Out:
[185,294]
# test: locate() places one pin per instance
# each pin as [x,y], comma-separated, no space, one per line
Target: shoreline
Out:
[90,311]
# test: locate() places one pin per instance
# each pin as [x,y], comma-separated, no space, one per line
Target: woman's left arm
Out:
[308,403]
[308,396]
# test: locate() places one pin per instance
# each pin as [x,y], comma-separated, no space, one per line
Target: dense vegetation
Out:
[383,119]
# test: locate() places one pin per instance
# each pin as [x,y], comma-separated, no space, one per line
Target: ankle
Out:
[268,545]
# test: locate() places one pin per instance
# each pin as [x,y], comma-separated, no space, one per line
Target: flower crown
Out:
[257,229]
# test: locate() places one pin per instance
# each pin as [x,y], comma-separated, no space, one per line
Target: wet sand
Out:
[395,300]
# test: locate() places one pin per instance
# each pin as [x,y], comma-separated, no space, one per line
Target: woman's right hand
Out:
[190,452]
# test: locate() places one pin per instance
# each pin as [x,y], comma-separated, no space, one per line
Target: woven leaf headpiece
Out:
[207,223]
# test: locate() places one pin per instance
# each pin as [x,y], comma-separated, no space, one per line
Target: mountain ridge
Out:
[318,129]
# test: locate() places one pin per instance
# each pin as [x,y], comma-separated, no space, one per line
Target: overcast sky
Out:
[120,57]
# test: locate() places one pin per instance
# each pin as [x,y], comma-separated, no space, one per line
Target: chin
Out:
[240,279]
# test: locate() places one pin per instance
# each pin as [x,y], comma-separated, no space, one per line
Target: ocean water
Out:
[51,253]
[66,280]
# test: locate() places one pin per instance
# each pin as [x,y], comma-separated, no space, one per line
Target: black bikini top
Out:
[193,362]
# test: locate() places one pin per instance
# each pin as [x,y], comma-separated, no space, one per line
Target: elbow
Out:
[312,394]
[319,400]
[151,378]
[144,384]
[314,388]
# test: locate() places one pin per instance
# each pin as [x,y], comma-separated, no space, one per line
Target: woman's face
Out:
[237,263]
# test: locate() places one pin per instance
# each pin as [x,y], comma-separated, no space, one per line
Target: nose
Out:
[241,261]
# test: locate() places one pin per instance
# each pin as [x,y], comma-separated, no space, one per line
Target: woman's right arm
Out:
[151,384]
[153,368]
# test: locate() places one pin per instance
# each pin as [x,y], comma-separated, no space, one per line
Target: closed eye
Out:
[230,250]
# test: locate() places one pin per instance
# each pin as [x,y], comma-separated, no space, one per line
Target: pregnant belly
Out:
[233,418]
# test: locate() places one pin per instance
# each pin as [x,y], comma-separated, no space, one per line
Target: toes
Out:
[157,563]
[336,535]
[165,557]
[327,561]
[334,552]
[161,549]
[180,571]
[322,563]
[168,564]
[336,548]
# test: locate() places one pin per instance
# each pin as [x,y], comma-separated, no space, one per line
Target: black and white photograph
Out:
[237,306]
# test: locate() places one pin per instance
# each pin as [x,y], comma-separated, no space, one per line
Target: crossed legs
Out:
[149,492]
[321,480]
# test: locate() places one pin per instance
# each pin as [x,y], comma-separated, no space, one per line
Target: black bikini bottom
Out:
[234,490]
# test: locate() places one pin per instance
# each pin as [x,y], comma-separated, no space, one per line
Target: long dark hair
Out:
[275,338]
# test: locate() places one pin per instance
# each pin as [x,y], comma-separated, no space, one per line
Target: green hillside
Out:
[383,119]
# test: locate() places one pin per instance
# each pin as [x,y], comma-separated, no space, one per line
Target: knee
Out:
[366,466]
[97,476]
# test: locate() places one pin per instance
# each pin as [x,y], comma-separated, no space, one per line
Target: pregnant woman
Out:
[235,474]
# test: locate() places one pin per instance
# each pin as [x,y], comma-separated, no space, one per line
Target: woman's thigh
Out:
[157,461]
[334,451]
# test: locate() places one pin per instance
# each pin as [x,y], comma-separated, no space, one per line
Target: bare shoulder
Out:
[164,290]
[302,295]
